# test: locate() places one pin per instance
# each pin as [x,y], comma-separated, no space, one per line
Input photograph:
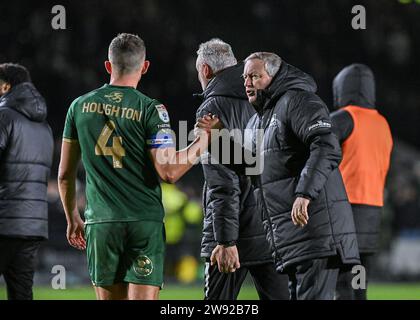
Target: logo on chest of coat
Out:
[274,122]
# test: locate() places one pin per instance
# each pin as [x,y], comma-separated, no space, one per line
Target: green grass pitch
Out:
[177,292]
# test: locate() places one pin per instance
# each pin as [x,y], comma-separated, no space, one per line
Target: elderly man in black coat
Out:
[233,242]
[306,213]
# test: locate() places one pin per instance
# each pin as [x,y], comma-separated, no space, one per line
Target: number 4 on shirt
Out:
[116,151]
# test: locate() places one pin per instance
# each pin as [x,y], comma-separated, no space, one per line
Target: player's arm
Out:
[70,156]
[171,165]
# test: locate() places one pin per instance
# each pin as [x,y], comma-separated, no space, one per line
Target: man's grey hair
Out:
[272,62]
[126,53]
[217,54]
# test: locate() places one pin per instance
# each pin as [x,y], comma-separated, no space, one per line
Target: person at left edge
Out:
[26,153]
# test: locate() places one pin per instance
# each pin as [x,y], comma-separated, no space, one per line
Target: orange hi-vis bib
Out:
[366,156]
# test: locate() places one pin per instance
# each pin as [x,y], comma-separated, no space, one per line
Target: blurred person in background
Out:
[233,241]
[366,142]
[26,153]
[125,141]
[300,192]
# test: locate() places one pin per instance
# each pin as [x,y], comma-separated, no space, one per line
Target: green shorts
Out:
[130,252]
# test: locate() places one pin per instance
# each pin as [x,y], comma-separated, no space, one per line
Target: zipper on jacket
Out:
[265,210]
[267,216]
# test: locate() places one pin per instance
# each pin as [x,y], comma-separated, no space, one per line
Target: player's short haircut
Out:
[14,74]
[217,54]
[127,53]
[272,62]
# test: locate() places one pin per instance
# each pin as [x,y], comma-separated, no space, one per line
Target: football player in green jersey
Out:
[126,144]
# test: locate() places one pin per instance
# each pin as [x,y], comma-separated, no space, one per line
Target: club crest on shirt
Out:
[143,266]
[163,113]
[115,96]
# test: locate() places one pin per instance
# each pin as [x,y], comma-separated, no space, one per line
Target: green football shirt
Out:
[115,126]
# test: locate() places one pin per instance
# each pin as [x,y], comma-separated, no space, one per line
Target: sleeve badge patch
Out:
[163,113]
[320,124]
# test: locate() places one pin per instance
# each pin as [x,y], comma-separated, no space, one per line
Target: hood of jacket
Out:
[354,85]
[227,83]
[25,99]
[287,78]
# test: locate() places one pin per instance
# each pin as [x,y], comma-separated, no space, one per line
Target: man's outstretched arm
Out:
[171,165]
[70,156]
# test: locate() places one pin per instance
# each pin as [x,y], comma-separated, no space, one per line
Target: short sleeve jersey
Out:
[115,126]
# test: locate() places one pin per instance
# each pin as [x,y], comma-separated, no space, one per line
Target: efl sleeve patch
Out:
[162,112]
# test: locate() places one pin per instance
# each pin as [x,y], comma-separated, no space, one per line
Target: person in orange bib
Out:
[366,142]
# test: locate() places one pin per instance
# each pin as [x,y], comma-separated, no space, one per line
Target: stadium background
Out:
[314,35]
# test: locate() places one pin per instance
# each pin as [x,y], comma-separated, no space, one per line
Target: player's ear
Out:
[145,67]
[108,66]
[207,71]
[4,88]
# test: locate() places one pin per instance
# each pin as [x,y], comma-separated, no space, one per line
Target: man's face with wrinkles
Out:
[255,78]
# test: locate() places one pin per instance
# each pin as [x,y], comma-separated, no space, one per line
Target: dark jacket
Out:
[26,151]
[355,85]
[228,200]
[301,157]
